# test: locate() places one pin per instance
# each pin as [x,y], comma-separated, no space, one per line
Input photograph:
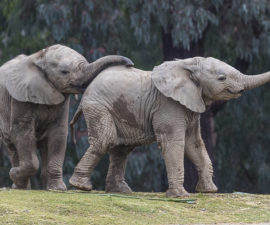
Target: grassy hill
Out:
[73,207]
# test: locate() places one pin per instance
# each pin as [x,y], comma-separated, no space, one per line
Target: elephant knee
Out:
[31,167]
[34,166]
[198,144]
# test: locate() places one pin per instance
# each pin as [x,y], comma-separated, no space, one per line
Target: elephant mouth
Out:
[235,94]
[74,89]
[79,88]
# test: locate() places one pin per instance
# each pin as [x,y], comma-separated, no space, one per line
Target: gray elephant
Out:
[126,107]
[34,101]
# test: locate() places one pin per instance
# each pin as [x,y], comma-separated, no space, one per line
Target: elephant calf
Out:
[34,105]
[126,107]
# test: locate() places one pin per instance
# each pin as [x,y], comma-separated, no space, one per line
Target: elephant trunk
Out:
[253,81]
[91,70]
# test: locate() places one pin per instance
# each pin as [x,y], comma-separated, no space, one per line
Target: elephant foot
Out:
[118,187]
[58,185]
[206,186]
[19,182]
[82,183]
[14,173]
[174,193]
[22,185]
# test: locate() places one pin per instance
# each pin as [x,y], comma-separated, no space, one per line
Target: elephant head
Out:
[197,82]
[45,76]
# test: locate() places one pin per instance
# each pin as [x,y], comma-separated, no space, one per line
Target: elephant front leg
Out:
[173,154]
[55,160]
[82,172]
[28,161]
[14,159]
[197,153]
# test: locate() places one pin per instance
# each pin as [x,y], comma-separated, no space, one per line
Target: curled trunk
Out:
[93,69]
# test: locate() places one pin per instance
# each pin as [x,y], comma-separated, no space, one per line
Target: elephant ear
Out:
[26,82]
[174,79]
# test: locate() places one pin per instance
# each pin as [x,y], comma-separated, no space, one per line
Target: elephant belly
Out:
[46,115]
[128,134]
[131,124]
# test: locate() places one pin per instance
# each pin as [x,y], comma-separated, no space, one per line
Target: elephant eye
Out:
[221,77]
[64,71]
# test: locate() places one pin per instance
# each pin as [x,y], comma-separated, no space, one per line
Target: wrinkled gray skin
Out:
[126,107]
[34,101]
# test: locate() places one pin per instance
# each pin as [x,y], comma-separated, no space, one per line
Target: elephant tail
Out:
[73,121]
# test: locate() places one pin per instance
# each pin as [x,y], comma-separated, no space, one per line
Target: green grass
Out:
[72,207]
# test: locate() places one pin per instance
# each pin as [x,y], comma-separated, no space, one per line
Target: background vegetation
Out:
[237,133]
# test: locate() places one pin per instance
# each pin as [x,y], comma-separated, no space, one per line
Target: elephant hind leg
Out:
[82,173]
[102,133]
[115,181]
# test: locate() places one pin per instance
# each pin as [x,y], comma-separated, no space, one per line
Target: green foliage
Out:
[184,20]
[238,28]
[17,33]
[243,29]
